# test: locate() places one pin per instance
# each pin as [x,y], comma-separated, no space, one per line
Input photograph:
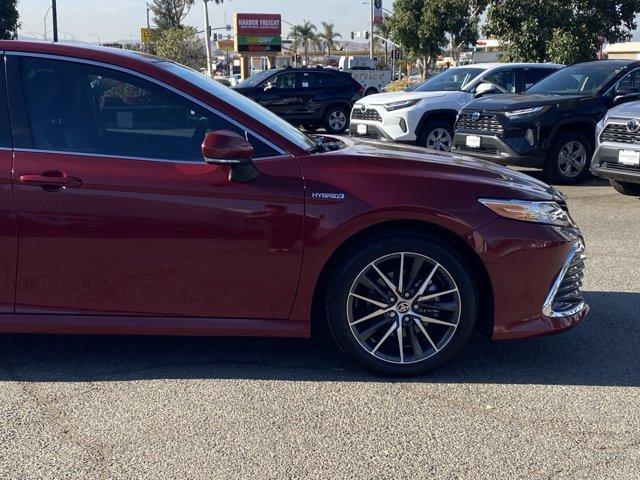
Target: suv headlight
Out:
[402,104]
[526,112]
[548,213]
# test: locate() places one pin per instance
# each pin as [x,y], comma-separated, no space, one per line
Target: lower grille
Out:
[368,114]
[565,297]
[622,168]
[487,122]
[471,150]
[614,132]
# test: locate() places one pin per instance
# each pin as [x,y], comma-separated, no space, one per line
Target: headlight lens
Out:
[526,112]
[549,213]
[398,105]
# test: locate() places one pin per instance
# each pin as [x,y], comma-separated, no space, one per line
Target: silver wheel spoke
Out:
[436,321]
[371,315]
[427,336]
[427,281]
[401,274]
[373,302]
[386,335]
[435,295]
[384,278]
[400,347]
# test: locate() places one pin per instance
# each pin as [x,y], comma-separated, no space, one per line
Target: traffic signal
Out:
[215,37]
[353,35]
[397,54]
[366,35]
[209,32]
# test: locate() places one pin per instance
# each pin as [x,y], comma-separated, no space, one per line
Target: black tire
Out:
[552,168]
[382,246]
[626,188]
[370,91]
[423,139]
[329,116]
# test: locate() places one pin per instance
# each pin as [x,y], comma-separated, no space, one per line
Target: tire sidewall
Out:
[327,115]
[626,188]
[552,169]
[430,127]
[336,302]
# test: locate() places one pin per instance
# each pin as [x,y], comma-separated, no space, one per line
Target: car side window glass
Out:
[630,83]
[502,78]
[284,81]
[308,80]
[531,76]
[83,108]
[5,127]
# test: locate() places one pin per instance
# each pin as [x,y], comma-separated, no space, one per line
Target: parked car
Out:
[311,97]
[426,115]
[150,199]
[552,125]
[617,156]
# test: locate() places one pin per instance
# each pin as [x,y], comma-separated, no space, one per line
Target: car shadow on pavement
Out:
[603,350]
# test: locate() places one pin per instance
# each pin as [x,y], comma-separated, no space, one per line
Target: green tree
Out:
[328,36]
[170,13]
[564,31]
[9,23]
[304,35]
[182,45]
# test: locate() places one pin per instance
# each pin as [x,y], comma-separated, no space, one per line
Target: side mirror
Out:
[486,89]
[267,87]
[623,96]
[224,147]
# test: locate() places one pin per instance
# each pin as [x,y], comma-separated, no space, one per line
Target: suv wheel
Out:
[626,188]
[436,136]
[403,305]
[336,119]
[569,158]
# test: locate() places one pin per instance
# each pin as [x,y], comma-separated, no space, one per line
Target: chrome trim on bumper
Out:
[577,248]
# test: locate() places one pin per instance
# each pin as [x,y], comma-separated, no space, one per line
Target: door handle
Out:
[50,180]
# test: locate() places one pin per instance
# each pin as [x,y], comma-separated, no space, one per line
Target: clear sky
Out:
[113,20]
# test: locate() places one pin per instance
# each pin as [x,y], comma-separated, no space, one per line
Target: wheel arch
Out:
[337,103]
[462,248]
[443,114]
[583,126]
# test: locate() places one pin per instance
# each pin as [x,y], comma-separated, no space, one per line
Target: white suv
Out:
[426,114]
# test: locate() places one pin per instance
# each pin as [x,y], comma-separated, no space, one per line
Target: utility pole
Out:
[207,39]
[54,15]
[371,33]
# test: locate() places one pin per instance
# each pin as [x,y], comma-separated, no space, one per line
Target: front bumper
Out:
[495,149]
[396,126]
[605,163]
[536,275]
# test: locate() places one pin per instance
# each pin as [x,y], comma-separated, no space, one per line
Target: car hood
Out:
[491,179]
[631,109]
[500,103]
[382,98]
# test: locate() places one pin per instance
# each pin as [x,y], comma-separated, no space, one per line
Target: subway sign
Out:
[258,33]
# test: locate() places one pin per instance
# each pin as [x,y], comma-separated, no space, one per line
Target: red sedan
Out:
[139,197]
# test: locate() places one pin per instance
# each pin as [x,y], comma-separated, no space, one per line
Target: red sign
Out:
[258,24]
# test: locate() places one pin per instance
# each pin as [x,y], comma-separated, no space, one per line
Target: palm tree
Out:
[328,36]
[303,35]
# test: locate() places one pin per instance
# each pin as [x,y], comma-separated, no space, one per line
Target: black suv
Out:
[552,125]
[310,97]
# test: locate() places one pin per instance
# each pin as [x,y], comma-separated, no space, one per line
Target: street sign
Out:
[148,35]
[258,33]
[225,45]
[378,16]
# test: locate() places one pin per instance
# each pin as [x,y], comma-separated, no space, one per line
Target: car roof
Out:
[612,62]
[488,65]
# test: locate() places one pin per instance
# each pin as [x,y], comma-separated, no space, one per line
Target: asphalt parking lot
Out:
[134,407]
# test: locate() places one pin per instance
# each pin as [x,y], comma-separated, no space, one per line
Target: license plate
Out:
[629,157]
[473,141]
[361,128]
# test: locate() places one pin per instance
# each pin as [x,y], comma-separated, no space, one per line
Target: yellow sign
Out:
[148,35]
[225,45]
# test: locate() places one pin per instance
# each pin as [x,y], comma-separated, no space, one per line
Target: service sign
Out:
[258,24]
[225,45]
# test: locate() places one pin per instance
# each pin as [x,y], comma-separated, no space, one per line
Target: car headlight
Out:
[402,104]
[526,112]
[548,213]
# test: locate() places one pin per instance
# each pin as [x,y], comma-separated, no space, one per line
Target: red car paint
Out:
[177,248]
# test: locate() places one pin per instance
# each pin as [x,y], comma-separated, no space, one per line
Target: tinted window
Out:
[307,80]
[531,76]
[453,79]
[330,80]
[256,79]
[630,82]
[5,128]
[505,79]
[580,79]
[284,81]
[88,109]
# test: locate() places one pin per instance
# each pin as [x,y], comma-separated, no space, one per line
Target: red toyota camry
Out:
[140,197]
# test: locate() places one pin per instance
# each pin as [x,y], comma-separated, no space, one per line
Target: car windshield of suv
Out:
[242,103]
[583,79]
[451,80]
[256,79]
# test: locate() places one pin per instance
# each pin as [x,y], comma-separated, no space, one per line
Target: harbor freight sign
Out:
[258,33]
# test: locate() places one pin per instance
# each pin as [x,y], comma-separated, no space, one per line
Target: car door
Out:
[281,95]
[8,236]
[118,214]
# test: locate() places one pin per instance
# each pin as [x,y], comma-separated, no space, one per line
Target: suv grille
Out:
[615,132]
[568,298]
[368,114]
[487,122]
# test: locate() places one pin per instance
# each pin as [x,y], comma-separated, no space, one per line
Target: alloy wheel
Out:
[337,120]
[439,139]
[403,308]
[572,159]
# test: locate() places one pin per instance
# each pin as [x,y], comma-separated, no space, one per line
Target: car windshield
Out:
[453,79]
[256,79]
[242,103]
[582,79]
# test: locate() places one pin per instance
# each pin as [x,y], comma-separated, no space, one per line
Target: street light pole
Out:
[371,33]
[54,15]
[207,40]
